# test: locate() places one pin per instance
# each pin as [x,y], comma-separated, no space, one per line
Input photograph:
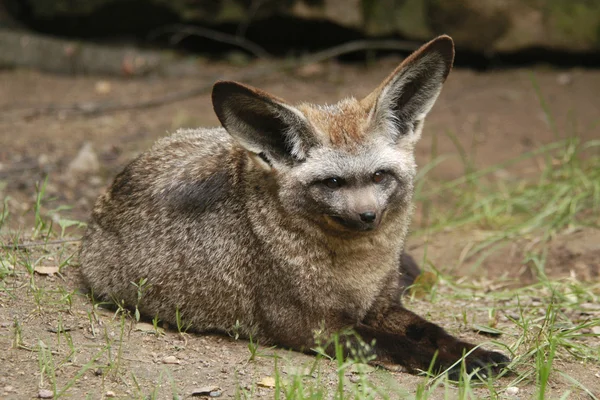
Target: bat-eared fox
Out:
[287,223]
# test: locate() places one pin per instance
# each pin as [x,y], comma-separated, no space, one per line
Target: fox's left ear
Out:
[404,98]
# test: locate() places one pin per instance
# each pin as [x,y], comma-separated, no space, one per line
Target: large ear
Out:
[404,98]
[262,123]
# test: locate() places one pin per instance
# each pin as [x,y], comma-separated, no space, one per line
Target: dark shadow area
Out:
[279,36]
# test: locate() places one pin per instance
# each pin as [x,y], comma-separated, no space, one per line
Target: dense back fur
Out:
[288,219]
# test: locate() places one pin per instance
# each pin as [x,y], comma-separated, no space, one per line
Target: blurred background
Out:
[490,33]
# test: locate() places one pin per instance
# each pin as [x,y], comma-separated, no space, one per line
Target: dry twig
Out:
[179,32]
[41,243]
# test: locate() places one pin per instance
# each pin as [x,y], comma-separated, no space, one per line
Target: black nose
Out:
[368,216]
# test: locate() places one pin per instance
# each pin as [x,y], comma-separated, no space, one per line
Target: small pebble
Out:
[110,393]
[512,391]
[103,87]
[564,79]
[206,391]
[45,394]
[170,360]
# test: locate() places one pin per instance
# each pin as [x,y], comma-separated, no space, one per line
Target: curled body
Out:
[287,222]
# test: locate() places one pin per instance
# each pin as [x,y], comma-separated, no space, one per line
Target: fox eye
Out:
[333,183]
[379,176]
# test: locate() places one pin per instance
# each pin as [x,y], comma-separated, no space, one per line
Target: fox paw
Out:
[484,364]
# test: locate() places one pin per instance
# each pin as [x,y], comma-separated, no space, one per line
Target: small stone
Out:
[102,87]
[110,393]
[596,330]
[310,70]
[215,393]
[95,181]
[206,391]
[170,360]
[354,378]
[86,161]
[98,372]
[564,79]
[45,394]
[512,391]
[9,389]
[43,160]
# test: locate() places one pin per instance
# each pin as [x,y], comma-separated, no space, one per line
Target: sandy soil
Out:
[496,116]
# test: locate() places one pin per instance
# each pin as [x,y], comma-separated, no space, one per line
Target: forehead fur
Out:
[343,124]
[326,162]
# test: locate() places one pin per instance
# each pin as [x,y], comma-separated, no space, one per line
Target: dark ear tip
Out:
[220,86]
[444,45]
[222,90]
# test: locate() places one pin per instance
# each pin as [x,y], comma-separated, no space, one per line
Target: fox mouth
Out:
[353,225]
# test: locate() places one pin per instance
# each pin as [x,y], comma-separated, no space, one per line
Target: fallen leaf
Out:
[487,330]
[360,368]
[267,382]
[46,270]
[298,370]
[423,284]
[60,329]
[144,327]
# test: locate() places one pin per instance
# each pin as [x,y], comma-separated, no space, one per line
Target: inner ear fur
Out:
[262,123]
[409,92]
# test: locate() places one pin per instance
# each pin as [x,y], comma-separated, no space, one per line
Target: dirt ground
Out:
[495,115]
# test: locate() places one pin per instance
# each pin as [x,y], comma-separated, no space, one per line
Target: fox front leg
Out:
[404,338]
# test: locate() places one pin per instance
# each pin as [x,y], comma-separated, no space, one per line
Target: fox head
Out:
[346,166]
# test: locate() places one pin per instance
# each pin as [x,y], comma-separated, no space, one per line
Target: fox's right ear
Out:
[262,123]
